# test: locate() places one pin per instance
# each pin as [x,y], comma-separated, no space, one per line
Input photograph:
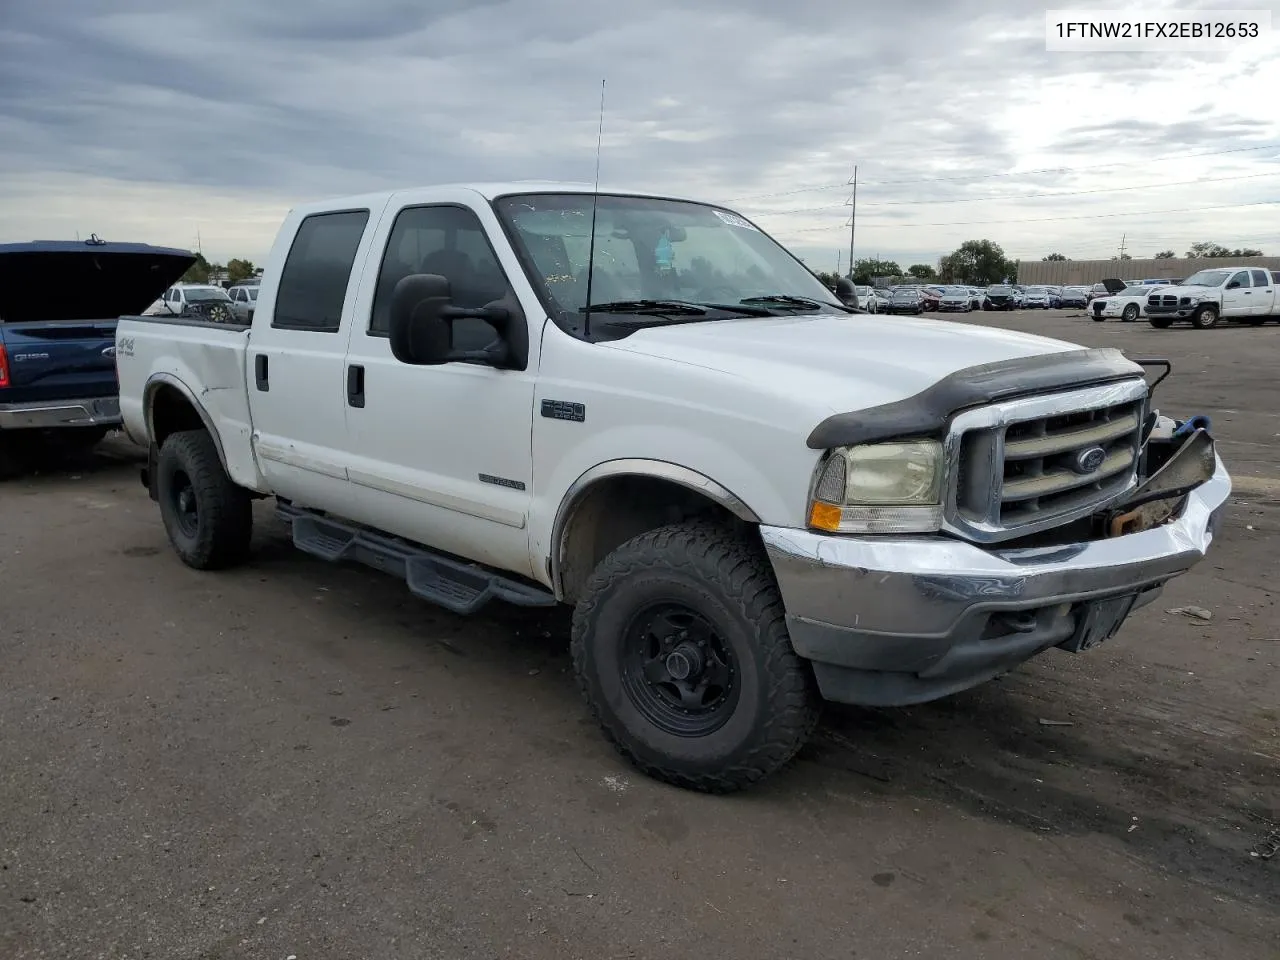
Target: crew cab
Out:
[1247,294]
[753,496]
[59,301]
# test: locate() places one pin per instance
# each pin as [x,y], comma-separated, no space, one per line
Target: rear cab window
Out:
[1261,278]
[317,272]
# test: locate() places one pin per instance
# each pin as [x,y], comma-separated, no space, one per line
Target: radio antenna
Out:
[595,202]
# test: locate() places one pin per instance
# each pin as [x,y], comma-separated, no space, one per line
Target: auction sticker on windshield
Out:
[733,220]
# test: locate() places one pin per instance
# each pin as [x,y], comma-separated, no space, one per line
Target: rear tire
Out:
[208,518]
[693,593]
[1205,317]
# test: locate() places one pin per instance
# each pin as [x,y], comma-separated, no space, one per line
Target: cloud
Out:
[143,119]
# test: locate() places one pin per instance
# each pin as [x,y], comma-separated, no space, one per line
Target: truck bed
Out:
[201,359]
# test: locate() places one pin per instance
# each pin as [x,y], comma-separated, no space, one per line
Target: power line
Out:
[1091,216]
[1011,173]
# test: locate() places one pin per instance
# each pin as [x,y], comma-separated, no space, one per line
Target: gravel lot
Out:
[299,760]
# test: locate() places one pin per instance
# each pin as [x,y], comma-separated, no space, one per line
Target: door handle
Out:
[355,385]
[260,372]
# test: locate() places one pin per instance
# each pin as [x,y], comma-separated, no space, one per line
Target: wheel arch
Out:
[659,492]
[169,405]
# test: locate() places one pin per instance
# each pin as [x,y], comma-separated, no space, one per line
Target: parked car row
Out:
[207,300]
[962,298]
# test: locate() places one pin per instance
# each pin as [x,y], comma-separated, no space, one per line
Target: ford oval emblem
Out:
[1090,459]
[109,352]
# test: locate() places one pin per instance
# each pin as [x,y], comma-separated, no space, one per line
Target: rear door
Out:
[295,360]
[1264,293]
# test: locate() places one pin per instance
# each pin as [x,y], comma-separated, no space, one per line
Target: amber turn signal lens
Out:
[824,516]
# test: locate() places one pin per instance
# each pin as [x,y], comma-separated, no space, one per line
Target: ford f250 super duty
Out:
[647,408]
[59,301]
[1248,294]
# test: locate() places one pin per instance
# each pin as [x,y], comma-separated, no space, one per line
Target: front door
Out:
[441,454]
[1237,301]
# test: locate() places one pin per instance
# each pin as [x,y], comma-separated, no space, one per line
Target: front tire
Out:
[1130,313]
[1205,317]
[681,651]
[208,518]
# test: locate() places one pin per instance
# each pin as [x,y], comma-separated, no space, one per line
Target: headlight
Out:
[880,488]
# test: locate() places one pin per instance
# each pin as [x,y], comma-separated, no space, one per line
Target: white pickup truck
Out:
[1248,294]
[754,497]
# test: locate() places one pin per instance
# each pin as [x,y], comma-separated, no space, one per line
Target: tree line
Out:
[237,270]
[977,262]
[1206,248]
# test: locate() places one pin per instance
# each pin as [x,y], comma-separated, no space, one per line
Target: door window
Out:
[313,283]
[1260,278]
[451,242]
[1242,278]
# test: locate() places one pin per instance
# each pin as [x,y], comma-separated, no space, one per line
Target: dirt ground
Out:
[298,760]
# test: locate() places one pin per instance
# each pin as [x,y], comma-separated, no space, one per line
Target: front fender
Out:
[633,467]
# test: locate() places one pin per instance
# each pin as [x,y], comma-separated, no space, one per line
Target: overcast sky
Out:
[151,120]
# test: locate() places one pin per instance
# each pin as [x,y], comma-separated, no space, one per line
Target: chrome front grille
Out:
[1027,465]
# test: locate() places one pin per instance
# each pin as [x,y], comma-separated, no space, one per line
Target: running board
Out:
[453,584]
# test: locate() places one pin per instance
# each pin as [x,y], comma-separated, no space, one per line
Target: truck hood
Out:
[839,362]
[1193,291]
[60,280]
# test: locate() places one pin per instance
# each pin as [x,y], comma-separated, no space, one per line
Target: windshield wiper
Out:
[796,301]
[676,308]
[658,307]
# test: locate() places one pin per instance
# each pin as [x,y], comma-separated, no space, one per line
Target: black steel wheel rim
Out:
[677,671]
[185,508]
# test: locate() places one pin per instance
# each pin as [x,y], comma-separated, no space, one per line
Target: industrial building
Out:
[1073,272]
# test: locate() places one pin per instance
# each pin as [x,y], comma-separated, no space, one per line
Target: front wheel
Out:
[1205,317]
[208,518]
[680,648]
[1130,313]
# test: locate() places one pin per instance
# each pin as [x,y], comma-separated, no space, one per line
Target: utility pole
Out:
[1123,236]
[839,253]
[199,249]
[853,217]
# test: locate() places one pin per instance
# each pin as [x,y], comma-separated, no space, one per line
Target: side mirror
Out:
[1233,285]
[847,293]
[422,319]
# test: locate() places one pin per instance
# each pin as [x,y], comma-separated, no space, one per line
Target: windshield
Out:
[1207,278]
[199,294]
[1000,291]
[1036,291]
[648,248]
[905,294]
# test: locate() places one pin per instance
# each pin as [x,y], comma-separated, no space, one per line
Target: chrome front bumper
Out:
[895,621]
[47,414]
